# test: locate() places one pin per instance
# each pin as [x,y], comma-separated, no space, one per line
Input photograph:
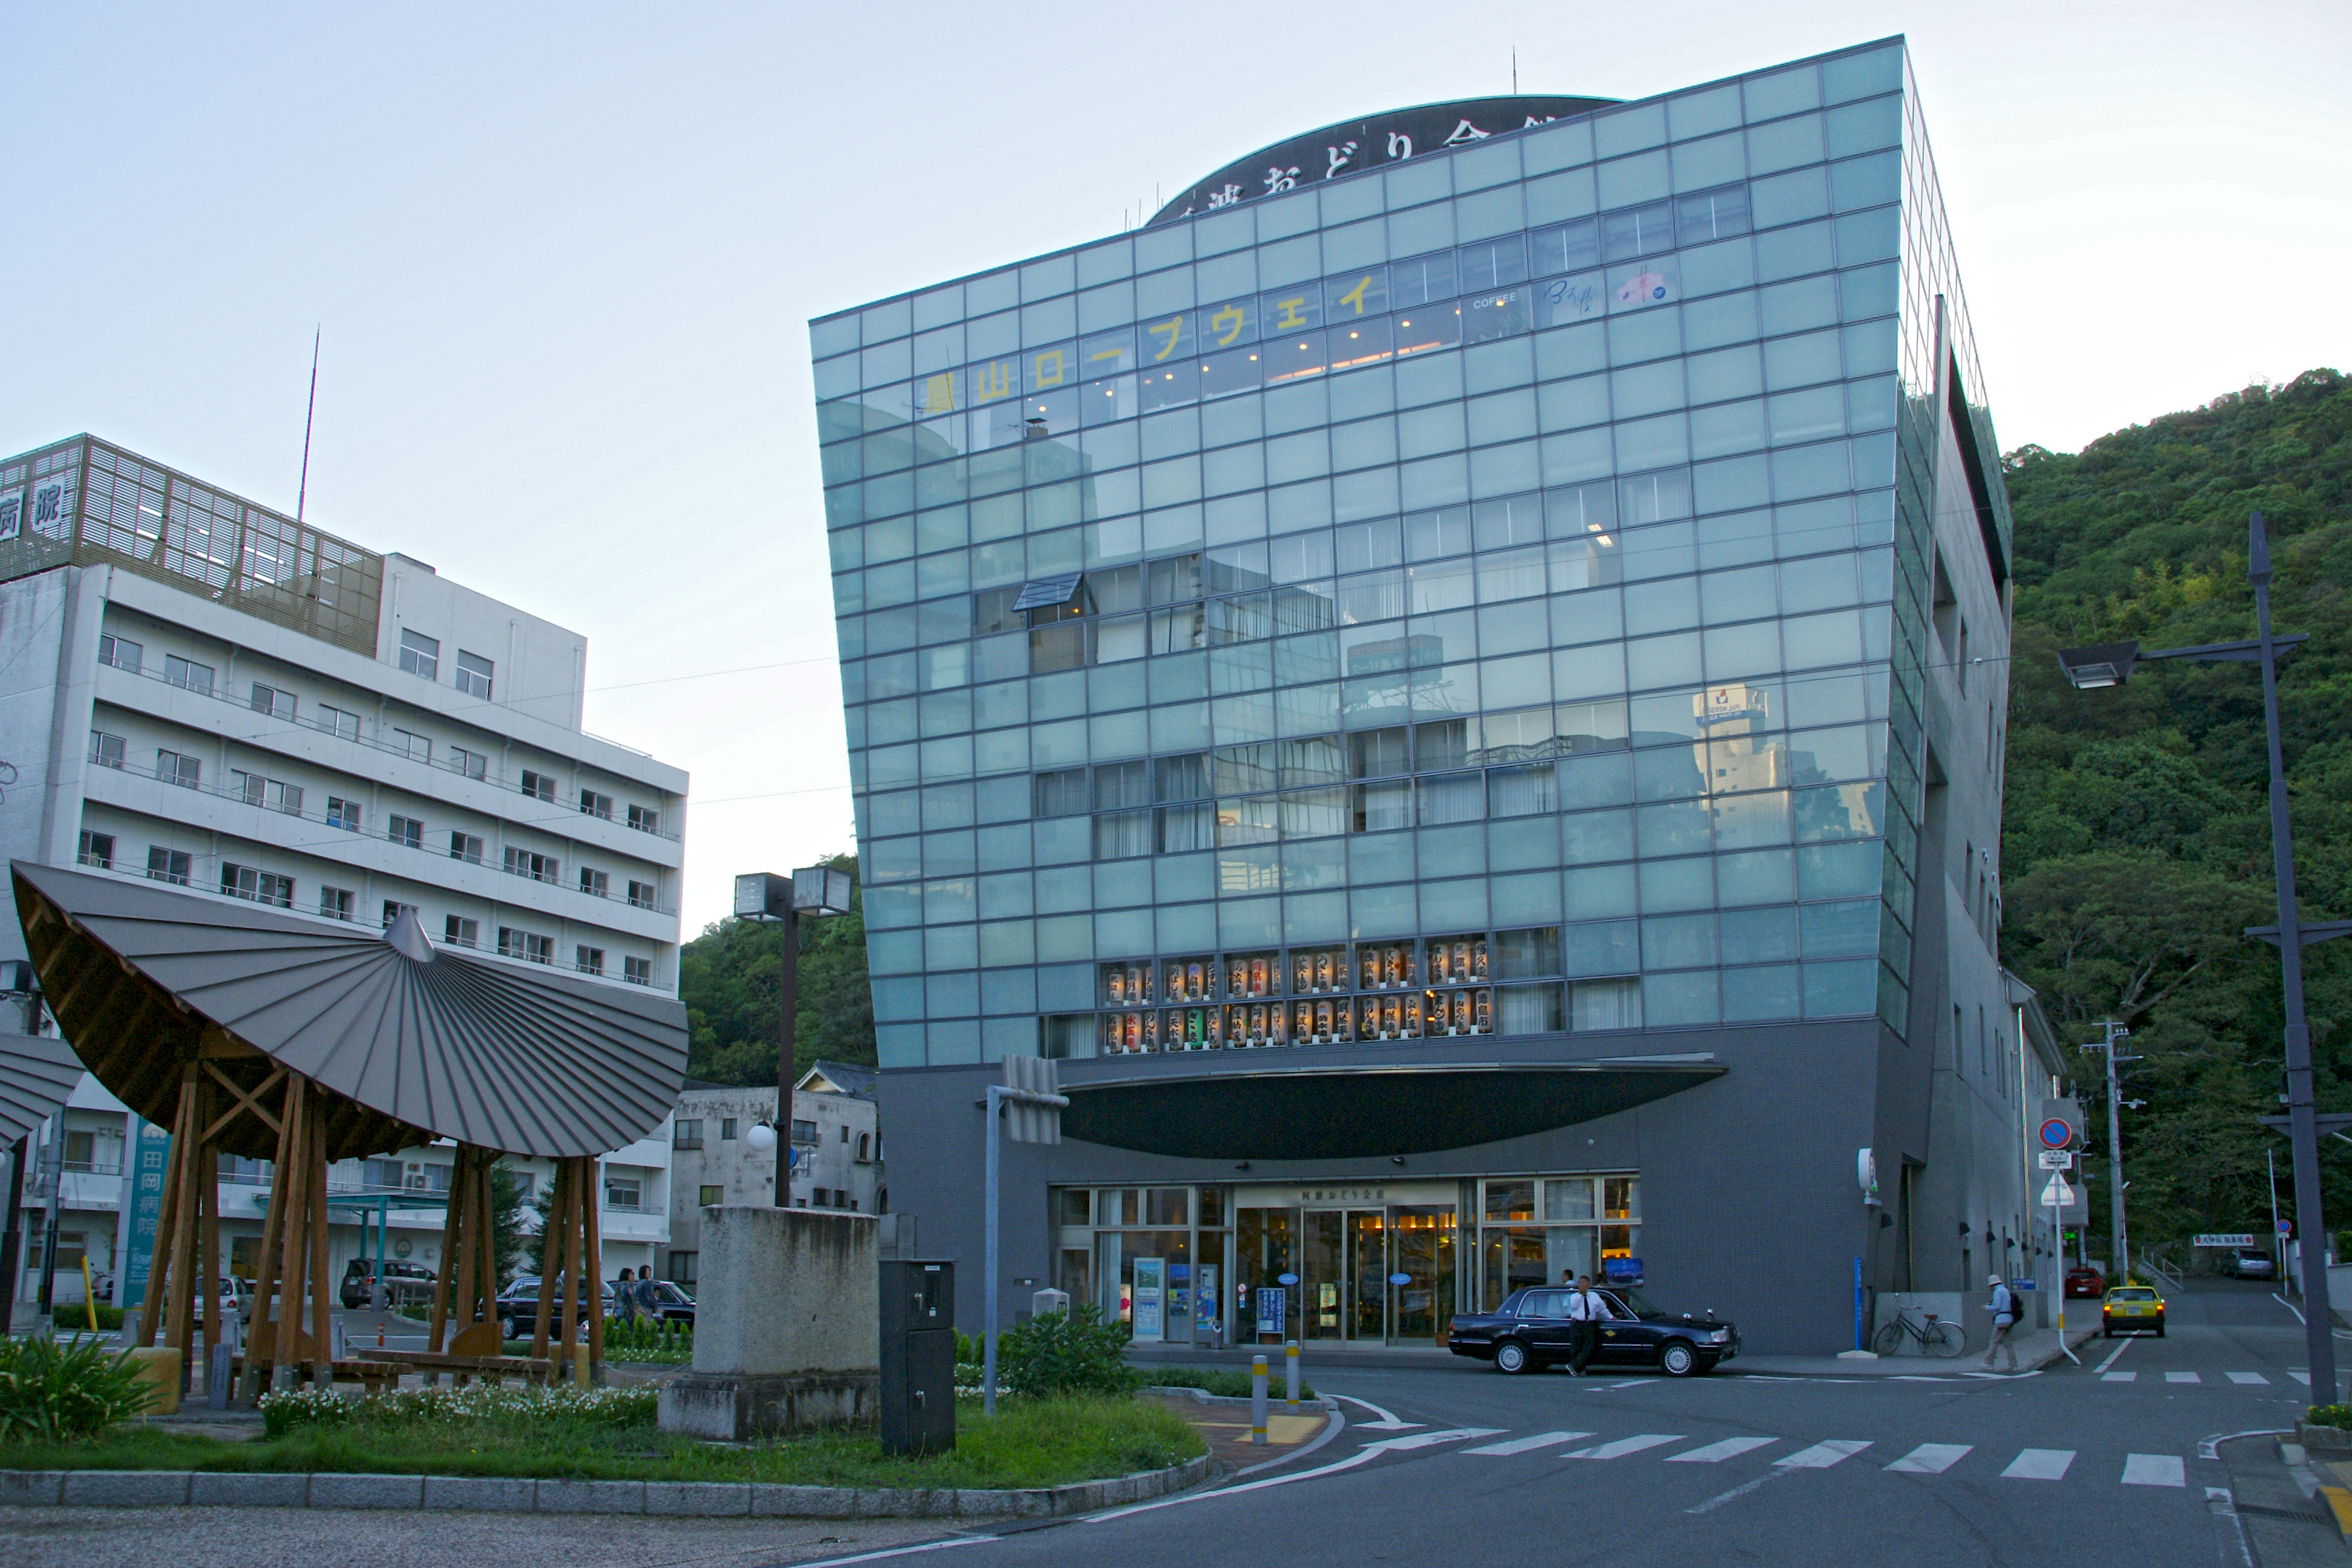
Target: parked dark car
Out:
[2085,1284]
[519,1307]
[404,1283]
[671,1303]
[1530,1331]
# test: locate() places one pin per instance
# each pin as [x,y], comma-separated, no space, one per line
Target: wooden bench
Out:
[537,1369]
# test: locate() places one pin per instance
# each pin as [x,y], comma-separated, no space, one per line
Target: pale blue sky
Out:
[564,257]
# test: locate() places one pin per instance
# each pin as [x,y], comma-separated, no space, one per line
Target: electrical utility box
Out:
[917,1356]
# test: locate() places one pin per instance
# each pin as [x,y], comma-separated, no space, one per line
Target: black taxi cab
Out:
[1532,1330]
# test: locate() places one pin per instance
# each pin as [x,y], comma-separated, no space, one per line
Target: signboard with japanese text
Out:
[148,1156]
[1353,146]
[1270,1308]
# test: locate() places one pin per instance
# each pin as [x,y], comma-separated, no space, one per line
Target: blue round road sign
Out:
[2056,1134]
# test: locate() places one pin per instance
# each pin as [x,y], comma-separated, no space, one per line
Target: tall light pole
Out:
[2110,663]
[2118,1260]
[817,892]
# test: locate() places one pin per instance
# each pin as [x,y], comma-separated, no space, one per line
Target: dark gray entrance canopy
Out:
[510,1056]
[36,1075]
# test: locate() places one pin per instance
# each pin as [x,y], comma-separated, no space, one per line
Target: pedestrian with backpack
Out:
[2003,1306]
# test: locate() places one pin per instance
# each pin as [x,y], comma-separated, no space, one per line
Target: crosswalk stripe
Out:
[1715,1453]
[2119,1377]
[2182,1377]
[1624,1446]
[2040,1465]
[1521,1444]
[1821,1456]
[1931,1458]
[2301,1377]
[2250,1377]
[2154,1470]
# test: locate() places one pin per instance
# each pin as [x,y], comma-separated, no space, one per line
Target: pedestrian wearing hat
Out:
[2003,1305]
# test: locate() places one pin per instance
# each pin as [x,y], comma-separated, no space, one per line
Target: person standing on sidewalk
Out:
[2004,1318]
[1583,1308]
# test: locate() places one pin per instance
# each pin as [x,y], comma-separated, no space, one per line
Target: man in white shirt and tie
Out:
[1582,1309]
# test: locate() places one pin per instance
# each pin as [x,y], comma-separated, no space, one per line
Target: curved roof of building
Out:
[1375,141]
[411,1039]
[37,1074]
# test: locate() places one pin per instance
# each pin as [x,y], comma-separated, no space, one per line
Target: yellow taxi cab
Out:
[2128,1309]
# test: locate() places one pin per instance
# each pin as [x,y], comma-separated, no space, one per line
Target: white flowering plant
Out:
[480,1402]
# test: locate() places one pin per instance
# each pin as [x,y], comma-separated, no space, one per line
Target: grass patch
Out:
[1232,1382]
[1029,1443]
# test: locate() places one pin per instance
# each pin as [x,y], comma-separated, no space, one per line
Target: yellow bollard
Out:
[88,1297]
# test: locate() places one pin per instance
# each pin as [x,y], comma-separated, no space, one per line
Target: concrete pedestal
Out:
[786,1331]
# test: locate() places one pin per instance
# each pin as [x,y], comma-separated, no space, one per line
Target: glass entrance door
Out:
[1422,1249]
[1368,1268]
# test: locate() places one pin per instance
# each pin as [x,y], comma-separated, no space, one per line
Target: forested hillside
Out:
[2138,842]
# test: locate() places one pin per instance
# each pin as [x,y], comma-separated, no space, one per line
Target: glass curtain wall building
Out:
[1476,600]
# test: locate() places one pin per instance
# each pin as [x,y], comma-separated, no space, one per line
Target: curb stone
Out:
[254,1489]
[590,1497]
[701,1499]
[1273,1398]
[482,1494]
[125,1488]
[366,1491]
[151,1489]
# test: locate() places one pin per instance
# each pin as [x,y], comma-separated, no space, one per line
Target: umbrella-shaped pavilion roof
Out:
[411,1039]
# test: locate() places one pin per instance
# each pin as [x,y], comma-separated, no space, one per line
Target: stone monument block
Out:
[787,1325]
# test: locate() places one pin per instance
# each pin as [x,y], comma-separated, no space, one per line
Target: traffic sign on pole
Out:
[2057,1194]
[2057,1132]
[2057,1159]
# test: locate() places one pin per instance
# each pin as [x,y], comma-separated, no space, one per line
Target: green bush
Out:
[1078,1352]
[2330,1415]
[76,1318]
[65,1388]
[645,1338]
[482,1402]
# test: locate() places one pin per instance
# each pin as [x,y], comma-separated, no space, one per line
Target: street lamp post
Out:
[2110,663]
[816,892]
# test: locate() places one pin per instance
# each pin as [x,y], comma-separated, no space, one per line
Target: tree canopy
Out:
[728,978]
[2137,839]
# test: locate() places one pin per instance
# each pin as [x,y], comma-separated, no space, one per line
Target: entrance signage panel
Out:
[1621,1270]
[2224,1238]
[1270,1308]
[1150,1284]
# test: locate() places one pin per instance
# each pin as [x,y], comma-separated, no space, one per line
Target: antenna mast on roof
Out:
[302,493]
[1515,70]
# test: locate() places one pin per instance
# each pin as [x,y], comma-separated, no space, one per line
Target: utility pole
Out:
[2118,1261]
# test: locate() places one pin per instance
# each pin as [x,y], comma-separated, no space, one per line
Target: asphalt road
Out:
[2096,1464]
[2108,1463]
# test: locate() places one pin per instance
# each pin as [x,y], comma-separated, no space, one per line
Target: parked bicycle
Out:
[1934,1335]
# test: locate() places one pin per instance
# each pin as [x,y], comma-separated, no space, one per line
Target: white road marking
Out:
[1931,1458]
[2154,1470]
[1821,1456]
[1386,1422]
[1636,1383]
[2039,1465]
[1369,1452]
[2119,1377]
[2182,1377]
[2301,1377]
[1716,1453]
[1521,1444]
[2249,1378]
[900,1551]
[2114,1353]
[1624,1446]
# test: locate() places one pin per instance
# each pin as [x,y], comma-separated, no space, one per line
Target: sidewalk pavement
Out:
[1225,1425]
[2034,1353]
[2279,1503]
